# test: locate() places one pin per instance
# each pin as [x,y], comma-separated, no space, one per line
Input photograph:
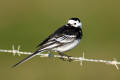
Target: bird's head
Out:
[75,22]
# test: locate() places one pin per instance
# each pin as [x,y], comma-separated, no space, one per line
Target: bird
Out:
[63,39]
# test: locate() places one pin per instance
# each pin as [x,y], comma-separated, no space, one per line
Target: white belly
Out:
[67,46]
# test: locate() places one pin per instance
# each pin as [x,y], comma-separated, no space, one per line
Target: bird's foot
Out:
[50,55]
[62,58]
[69,58]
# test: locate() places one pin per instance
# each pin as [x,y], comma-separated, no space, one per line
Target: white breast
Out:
[67,47]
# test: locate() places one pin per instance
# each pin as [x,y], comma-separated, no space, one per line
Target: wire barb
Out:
[81,61]
[18,49]
[13,49]
[114,62]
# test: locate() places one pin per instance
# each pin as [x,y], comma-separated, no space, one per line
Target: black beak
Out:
[68,24]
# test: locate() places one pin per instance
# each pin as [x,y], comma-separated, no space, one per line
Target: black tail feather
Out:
[27,58]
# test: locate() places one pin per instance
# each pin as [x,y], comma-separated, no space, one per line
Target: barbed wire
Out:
[78,59]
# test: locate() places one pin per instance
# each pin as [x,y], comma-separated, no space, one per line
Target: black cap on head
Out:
[76,19]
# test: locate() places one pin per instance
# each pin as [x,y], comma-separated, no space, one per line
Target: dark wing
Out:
[55,34]
[61,36]
[45,41]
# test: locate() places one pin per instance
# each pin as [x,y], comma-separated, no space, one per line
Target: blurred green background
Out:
[28,22]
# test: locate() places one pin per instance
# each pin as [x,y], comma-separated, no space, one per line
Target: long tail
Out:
[27,58]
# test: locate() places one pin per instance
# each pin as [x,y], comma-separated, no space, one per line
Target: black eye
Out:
[74,23]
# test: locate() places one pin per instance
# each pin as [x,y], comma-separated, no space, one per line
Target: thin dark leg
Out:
[62,54]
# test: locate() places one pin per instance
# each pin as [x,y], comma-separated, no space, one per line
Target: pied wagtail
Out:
[63,39]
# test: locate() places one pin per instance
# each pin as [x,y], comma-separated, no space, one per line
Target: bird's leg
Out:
[62,54]
[69,58]
[50,54]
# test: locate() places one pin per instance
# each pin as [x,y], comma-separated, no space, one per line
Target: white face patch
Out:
[75,23]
